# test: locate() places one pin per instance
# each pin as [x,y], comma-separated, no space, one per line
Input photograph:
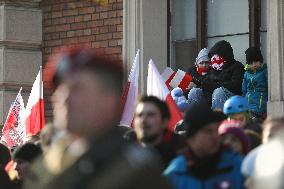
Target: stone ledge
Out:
[9,86]
[21,45]
[21,3]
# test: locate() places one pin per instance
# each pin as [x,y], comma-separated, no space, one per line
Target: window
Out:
[196,24]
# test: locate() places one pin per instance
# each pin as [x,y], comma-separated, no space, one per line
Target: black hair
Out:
[163,107]
[253,54]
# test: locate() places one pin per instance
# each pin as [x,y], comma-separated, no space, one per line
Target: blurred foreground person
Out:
[272,127]
[205,164]
[269,165]
[87,99]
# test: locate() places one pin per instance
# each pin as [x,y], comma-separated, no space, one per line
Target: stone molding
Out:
[145,28]
[21,3]
[275,58]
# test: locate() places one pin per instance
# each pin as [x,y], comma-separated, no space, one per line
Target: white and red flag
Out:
[131,93]
[168,75]
[35,107]
[181,79]
[14,130]
[157,87]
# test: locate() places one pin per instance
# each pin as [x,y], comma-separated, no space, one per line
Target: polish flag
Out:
[157,87]
[14,130]
[35,107]
[181,80]
[131,93]
[168,75]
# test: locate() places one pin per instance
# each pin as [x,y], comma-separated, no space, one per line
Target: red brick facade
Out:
[96,23]
[69,22]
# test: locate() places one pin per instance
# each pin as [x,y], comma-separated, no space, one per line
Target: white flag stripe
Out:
[154,81]
[177,78]
[36,93]
[134,72]
[132,95]
[167,73]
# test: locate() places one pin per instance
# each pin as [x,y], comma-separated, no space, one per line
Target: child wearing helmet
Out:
[237,108]
[255,83]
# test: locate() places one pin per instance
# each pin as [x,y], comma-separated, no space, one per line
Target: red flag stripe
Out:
[170,79]
[174,111]
[185,82]
[35,121]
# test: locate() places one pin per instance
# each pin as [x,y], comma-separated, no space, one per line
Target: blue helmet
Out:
[235,104]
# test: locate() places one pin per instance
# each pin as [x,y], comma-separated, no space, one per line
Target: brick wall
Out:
[96,23]
[67,22]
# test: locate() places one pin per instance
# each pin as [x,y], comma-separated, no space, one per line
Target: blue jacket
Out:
[227,174]
[255,89]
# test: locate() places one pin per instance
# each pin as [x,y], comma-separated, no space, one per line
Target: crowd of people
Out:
[224,140]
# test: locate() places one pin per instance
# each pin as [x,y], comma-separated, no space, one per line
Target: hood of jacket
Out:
[223,48]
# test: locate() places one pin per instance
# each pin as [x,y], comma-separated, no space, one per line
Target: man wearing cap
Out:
[87,102]
[205,164]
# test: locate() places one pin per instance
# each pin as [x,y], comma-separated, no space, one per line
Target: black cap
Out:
[199,116]
[253,54]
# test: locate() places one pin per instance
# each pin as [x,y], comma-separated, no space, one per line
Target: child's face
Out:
[203,67]
[241,117]
[255,65]
[204,64]
[232,142]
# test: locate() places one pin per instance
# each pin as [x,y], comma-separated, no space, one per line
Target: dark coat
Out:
[170,147]
[230,77]
[110,163]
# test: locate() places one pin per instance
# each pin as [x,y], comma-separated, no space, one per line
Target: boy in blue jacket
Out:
[255,83]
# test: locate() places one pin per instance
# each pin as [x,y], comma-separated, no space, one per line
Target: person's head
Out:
[151,120]
[202,62]
[269,164]
[271,127]
[254,58]
[88,91]
[220,54]
[233,137]
[201,125]
[237,108]
[23,156]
